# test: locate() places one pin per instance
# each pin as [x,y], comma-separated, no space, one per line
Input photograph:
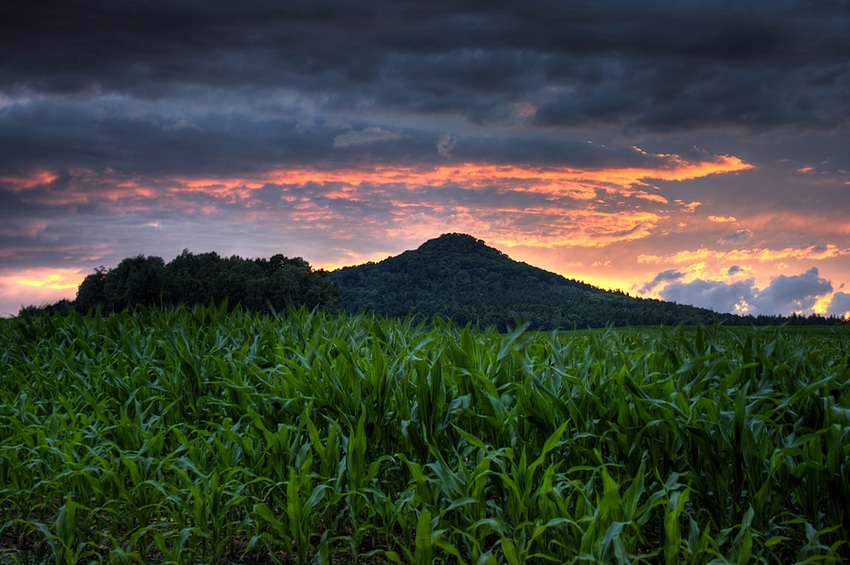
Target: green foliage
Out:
[459,277]
[205,435]
[258,285]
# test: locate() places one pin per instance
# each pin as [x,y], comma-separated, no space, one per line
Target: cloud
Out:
[810,252]
[51,135]
[736,237]
[715,295]
[22,228]
[656,66]
[723,219]
[796,293]
[839,305]
[663,276]
[784,294]
[372,134]
[446,144]
[734,270]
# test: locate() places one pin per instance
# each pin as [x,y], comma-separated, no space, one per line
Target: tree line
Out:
[257,285]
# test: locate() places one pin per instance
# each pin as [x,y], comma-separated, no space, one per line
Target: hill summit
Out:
[460,243]
[460,277]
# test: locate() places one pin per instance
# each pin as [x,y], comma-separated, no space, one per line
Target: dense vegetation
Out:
[459,277]
[207,436]
[258,285]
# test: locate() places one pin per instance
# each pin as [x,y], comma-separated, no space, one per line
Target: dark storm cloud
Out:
[176,139]
[551,150]
[132,137]
[650,65]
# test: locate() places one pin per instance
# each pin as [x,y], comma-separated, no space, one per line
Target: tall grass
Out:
[202,436]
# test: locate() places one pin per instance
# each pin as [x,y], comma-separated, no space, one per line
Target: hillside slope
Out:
[458,276]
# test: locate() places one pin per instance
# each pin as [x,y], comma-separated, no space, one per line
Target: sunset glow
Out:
[61,279]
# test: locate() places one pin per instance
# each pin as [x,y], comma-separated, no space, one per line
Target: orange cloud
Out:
[570,182]
[760,254]
[723,219]
[566,181]
[572,228]
[19,184]
[834,222]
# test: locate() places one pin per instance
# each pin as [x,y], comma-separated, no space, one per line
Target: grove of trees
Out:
[258,285]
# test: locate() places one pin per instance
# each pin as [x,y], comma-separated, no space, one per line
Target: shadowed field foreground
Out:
[201,436]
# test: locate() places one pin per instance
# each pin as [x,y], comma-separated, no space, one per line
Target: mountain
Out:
[458,276]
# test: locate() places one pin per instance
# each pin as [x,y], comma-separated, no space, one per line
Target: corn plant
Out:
[213,435]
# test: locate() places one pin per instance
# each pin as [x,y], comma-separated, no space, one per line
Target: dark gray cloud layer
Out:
[644,65]
[231,87]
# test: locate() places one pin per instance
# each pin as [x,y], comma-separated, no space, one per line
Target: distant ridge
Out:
[460,277]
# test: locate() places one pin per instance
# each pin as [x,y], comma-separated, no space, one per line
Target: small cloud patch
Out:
[372,134]
[736,237]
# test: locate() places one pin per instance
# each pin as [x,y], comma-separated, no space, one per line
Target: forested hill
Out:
[459,277]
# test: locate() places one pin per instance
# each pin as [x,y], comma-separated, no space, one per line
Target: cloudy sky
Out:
[695,151]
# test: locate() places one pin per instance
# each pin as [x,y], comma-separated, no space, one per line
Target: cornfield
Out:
[207,436]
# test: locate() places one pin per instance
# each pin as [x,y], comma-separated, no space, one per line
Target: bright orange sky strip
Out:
[57,279]
[471,175]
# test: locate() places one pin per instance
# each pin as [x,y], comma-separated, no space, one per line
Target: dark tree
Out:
[254,284]
[136,281]
[92,291]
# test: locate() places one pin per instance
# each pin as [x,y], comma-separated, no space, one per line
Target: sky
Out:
[692,151]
